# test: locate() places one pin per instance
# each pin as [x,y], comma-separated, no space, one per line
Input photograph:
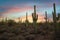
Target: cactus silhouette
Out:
[55,21]
[34,15]
[35,18]
[54,13]
[26,16]
[46,16]
[26,21]
[54,16]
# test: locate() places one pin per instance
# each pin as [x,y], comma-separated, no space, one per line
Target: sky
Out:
[18,8]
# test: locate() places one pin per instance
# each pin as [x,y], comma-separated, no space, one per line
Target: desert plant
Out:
[35,18]
[26,21]
[46,16]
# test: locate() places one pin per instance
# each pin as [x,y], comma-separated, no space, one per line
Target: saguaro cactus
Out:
[54,13]
[54,16]
[54,20]
[46,16]
[26,19]
[35,17]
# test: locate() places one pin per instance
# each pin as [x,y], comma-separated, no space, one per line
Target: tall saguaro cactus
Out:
[54,16]
[46,16]
[54,13]
[54,20]
[35,17]
[26,19]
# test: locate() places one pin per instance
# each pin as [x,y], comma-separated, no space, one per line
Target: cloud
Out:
[13,10]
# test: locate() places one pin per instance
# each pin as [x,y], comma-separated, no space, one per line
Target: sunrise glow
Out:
[13,9]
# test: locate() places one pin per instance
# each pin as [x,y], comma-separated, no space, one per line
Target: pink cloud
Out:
[17,9]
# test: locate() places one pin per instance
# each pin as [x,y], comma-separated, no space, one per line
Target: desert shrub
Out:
[11,23]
